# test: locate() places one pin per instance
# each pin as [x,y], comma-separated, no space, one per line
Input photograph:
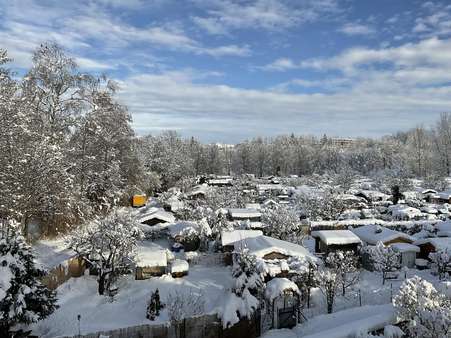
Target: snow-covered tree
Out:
[427,311]
[168,155]
[248,283]
[385,259]
[306,279]
[281,222]
[321,206]
[329,282]
[183,304]
[23,299]
[442,261]
[154,305]
[344,178]
[345,265]
[108,245]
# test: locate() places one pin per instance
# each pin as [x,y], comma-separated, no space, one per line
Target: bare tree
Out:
[182,304]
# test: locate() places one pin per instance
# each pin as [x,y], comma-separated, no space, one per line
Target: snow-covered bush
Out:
[182,304]
[442,261]
[154,306]
[323,206]
[427,311]
[345,265]
[108,245]
[385,259]
[307,278]
[281,222]
[328,283]
[246,291]
[23,299]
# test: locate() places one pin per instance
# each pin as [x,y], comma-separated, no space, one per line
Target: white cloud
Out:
[78,27]
[376,104]
[224,15]
[436,23]
[281,64]
[86,63]
[356,29]
[433,51]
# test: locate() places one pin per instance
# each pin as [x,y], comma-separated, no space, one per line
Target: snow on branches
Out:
[108,245]
[442,260]
[281,222]
[427,311]
[345,265]
[23,299]
[385,259]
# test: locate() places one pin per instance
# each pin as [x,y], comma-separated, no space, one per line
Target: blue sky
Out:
[225,70]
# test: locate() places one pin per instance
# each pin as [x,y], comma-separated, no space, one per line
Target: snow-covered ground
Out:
[342,324]
[79,296]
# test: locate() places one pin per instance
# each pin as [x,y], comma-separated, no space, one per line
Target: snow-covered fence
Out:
[208,259]
[73,267]
[345,224]
[207,326]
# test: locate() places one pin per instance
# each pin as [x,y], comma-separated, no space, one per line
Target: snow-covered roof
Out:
[426,191]
[444,194]
[179,265]
[230,237]
[51,253]
[439,243]
[337,237]
[372,234]
[350,198]
[276,287]
[404,211]
[244,213]
[444,229]
[158,214]
[262,245]
[264,187]
[183,228]
[220,181]
[405,247]
[374,195]
[198,190]
[255,206]
[150,257]
[269,201]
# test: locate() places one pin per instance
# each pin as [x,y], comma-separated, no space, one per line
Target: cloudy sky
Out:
[226,70]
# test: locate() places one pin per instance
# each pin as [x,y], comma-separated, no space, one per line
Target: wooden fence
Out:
[207,326]
[73,267]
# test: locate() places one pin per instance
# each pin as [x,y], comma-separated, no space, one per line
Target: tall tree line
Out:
[420,152]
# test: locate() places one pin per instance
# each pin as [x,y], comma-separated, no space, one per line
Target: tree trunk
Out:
[101,282]
[330,304]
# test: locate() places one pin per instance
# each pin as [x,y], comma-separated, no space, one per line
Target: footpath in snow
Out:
[342,324]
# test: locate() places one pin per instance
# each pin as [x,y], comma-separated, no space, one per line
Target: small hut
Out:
[179,268]
[332,240]
[150,263]
[283,302]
